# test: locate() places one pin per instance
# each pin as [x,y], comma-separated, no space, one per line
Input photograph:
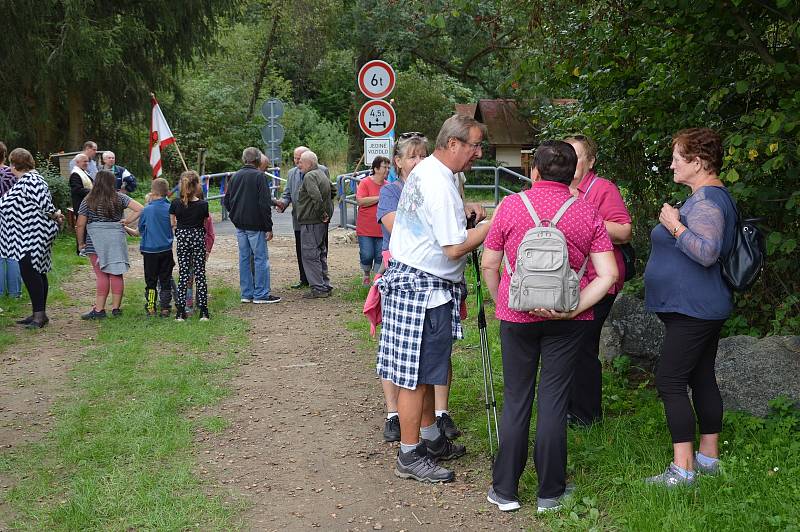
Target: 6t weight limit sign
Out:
[376,79]
[376,118]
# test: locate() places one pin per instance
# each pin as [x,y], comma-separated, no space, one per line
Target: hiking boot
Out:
[545,504]
[94,314]
[443,449]
[315,294]
[447,426]
[301,284]
[670,478]
[204,314]
[701,469]
[39,320]
[29,319]
[418,465]
[391,429]
[505,505]
[270,299]
[116,312]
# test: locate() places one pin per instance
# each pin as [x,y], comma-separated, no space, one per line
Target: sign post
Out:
[376,80]
[273,132]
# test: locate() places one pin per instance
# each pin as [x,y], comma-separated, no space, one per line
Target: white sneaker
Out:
[505,505]
[245,300]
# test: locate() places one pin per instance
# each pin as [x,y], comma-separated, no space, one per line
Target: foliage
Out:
[59,187]
[641,70]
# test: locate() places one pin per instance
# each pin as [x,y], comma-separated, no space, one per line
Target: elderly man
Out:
[290,190]
[249,202]
[422,290]
[125,181]
[314,209]
[89,150]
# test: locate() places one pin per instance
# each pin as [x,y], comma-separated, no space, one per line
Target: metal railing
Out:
[273,173]
[346,185]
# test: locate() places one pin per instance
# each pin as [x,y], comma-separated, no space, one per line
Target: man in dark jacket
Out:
[314,209]
[249,202]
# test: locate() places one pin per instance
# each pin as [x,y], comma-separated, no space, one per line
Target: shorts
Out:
[436,345]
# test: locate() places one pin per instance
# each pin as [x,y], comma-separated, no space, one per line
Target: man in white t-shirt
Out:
[422,291]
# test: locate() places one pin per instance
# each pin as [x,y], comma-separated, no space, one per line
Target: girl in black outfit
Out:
[188,214]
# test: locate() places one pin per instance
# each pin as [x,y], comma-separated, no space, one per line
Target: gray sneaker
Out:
[701,469]
[417,464]
[545,504]
[505,505]
[670,478]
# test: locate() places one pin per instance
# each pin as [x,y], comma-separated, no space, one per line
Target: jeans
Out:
[10,278]
[253,282]
[370,252]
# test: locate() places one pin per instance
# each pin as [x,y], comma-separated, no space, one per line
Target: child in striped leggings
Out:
[188,214]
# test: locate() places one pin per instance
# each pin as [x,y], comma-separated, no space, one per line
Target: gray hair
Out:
[457,127]
[251,155]
[301,149]
[311,157]
[106,153]
[81,156]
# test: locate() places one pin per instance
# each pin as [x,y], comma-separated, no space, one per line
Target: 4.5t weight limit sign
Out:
[376,118]
[376,79]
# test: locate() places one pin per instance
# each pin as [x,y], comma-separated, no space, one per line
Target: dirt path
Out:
[304,447]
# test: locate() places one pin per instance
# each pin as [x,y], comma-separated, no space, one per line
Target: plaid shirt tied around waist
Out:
[405,291]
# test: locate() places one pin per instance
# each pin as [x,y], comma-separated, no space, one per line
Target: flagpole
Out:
[186,168]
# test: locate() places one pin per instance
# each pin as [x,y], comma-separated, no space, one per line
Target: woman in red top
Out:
[542,335]
[585,402]
[370,236]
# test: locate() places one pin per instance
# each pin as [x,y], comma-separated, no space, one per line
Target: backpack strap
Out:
[537,222]
[557,217]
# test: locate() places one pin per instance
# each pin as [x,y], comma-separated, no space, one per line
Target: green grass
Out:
[120,456]
[759,488]
[65,260]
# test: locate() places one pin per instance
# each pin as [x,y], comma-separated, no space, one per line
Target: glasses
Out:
[474,145]
[410,135]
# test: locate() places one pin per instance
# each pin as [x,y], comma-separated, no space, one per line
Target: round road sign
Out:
[376,118]
[376,79]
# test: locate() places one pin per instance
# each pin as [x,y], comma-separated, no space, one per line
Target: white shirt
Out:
[430,215]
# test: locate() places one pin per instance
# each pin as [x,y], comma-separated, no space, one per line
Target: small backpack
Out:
[543,277]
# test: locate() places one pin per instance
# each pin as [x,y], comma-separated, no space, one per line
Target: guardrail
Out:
[273,173]
[346,185]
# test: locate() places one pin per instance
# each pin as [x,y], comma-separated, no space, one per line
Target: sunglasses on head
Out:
[410,135]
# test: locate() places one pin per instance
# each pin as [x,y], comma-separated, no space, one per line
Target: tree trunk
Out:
[76,133]
[262,68]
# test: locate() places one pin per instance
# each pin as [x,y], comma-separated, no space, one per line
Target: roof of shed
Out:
[505,124]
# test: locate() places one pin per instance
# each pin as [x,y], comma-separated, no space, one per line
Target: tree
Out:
[77,66]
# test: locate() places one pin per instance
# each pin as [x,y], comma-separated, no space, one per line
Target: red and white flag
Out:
[160,136]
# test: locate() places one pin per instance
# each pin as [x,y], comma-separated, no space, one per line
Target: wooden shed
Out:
[509,131]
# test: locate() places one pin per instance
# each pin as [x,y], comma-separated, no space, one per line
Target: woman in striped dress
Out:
[29,224]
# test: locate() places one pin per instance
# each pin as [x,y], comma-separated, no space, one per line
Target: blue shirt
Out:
[387,203]
[683,275]
[155,228]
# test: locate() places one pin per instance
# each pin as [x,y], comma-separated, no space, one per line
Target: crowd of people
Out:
[414,238]
[420,288]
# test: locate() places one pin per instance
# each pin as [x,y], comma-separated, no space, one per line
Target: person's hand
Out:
[269,236]
[670,217]
[476,209]
[325,218]
[551,314]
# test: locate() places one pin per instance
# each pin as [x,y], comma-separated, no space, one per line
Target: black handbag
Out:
[743,264]
[628,260]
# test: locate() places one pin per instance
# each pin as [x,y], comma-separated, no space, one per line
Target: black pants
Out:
[158,275]
[191,263]
[586,397]
[299,253]
[555,343]
[35,282]
[687,359]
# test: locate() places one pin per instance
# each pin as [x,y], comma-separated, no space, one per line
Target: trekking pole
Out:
[486,357]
